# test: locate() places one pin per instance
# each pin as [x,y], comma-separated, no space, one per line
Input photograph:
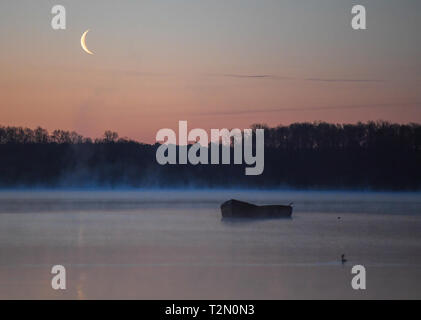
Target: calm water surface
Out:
[174,245]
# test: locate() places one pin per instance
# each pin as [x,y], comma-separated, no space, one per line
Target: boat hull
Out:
[239,209]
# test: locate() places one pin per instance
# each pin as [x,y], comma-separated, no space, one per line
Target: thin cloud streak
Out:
[277,77]
[317,108]
[256,76]
[342,80]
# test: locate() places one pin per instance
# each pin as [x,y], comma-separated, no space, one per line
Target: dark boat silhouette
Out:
[239,209]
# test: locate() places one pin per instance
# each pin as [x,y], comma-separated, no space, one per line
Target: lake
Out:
[174,245]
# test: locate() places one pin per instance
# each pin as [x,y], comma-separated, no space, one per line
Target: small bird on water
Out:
[343,260]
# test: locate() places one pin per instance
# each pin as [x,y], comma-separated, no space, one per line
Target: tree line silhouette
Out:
[372,155]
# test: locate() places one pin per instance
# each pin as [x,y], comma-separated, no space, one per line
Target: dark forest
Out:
[369,156]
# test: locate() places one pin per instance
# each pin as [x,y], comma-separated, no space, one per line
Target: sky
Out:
[214,63]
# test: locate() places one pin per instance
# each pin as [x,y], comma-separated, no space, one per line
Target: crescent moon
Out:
[83,42]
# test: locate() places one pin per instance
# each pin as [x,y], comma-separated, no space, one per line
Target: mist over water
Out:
[173,244]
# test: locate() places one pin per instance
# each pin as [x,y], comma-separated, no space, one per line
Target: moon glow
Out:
[83,42]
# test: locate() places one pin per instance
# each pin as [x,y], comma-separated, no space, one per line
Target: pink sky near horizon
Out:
[155,65]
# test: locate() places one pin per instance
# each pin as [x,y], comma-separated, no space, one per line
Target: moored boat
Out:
[239,209]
